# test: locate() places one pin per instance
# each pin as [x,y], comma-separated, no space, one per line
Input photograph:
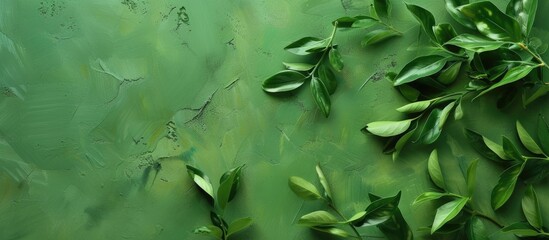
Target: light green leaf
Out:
[429,196]
[284,81]
[543,134]
[447,212]
[527,140]
[303,188]
[511,150]
[383,8]
[356,217]
[388,128]
[298,66]
[335,59]
[471,177]
[228,182]
[379,211]
[444,32]
[307,45]
[434,124]
[449,75]
[419,68]
[321,96]
[491,22]
[327,77]
[324,183]
[239,225]
[506,185]
[475,43]
[531,209]
[458,113]
[475,229]
[486,147]
[433,168]
[209,230]
[236,181]
[524,12]
[332,230]
[451,7]
[521,229]
[318,218]
[425,18]
[378,35]
[201,180]
[514,74]
[415,107]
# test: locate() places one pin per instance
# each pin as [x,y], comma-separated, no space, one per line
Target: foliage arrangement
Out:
[228,186]
[497,54]
[532,211]
[381,212]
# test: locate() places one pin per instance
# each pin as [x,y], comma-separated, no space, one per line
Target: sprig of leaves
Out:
[381,212]
[532,211]
[229,183]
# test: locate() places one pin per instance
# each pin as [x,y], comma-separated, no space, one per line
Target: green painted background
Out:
[95,94]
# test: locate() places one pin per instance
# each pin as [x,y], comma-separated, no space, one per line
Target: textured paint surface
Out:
[104,102]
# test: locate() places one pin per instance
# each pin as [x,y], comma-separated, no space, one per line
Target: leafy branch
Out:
[532,211]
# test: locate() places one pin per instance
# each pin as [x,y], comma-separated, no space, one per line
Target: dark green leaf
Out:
[328,78]
[321,96]
[415,107]
[409,93]
[449,75]
[471,177]
[284,81]
[536,170]
[425,18]
[307,45]
[475,229]
[399,145]
[486,147]
[239,225]
[210,230]
[491,22]
[527,140]
[356,22]
[543,134]
[378,35]
[511,150]
[396,227]
[236,181]
[303,188]
[229,183]
[335,59]
[420,67]
[318,218]
[298,66]
[383,8]
[451,7]
[524,12]
[434,124]
[447,212]
[444,32]
[332,230]
[531,209]
[324,183]
[201,180]
[388,128]
[514,74]
[475,43]
[429,196]
[521,229]
[506,185]
[433,168]
[379,211]
[218,221]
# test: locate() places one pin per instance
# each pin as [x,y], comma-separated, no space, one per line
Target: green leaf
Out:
[335,59]
[298,66]
[284,81]
[447,212]
[229,183]
[531,209]
[451,7]
[536,170]
[378,35]
[303,188]
[486,147]
[318,218]
[388,128]
[236,181]
[471,176]
[409,93]
[201,180]
[475,229]
[514,74]
[543,134]
[379,211]
[396,227]
[239,225]
[415,107]
[383,8]
[328,78]
[506,185]
[403,140]
[524,12]
[458,113]
[491,22]
[511,150]
[449,75]
[429,196]
[307,45]
[433,168]
[521,229]
[332,230]
[356,22]
[209,230]
[420,67]
[425,18]
[324,183]
[434,124]
[475,43]
[356,217]
[217,220]
[527,140]
[444,32]
[321,96]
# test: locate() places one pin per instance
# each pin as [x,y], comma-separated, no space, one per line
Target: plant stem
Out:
[343,217]
[536,56]
[391,27]
[328,46]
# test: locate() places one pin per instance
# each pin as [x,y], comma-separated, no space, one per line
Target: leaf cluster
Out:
[533,227]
